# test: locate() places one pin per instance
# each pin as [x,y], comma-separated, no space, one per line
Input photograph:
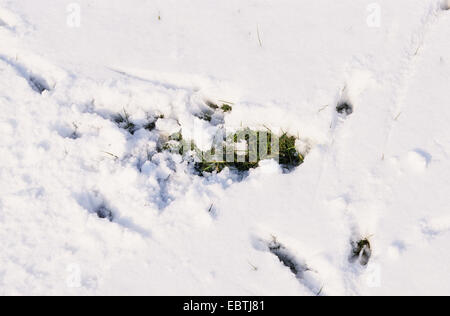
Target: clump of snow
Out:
[417,160]
[168,126]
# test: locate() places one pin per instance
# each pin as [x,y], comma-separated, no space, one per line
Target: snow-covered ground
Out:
[382,174]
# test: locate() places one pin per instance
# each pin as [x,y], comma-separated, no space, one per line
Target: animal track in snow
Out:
[435,226]
[96,204]
[104,212]
[302,272]
[417,160]
[36,82]
[361,251]
[410,65]
[344,108]
[8,19]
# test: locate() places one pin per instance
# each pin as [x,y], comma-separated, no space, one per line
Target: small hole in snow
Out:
[212,211]
[286,258]
[103,212]
[124,122]
[344,108]
[38,85]
[151,125]
[361,251]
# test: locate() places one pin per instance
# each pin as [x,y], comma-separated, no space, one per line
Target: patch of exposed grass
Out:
[178,137]
[209,167]
[172,146]
[240,151]
[226,108]
[255,150]
[205,116]
[214,110]
[289,156]
[174,143]
[177,145]
[150,126]
[124,121]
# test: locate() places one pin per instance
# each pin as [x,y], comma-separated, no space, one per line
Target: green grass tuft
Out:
[244,159]
[289,156]
[287,153]
[123,120]
[226,108]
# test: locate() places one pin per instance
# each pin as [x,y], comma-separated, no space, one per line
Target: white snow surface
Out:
[382,173]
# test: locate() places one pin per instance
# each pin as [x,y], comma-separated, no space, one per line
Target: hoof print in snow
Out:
[74,134]
[150,126]
[361,251]
[212,210]
[285,257]
[38,85]
[94,203]
[306,276]
[344,109]
[104,213]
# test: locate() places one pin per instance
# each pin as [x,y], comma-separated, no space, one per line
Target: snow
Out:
[380,173]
